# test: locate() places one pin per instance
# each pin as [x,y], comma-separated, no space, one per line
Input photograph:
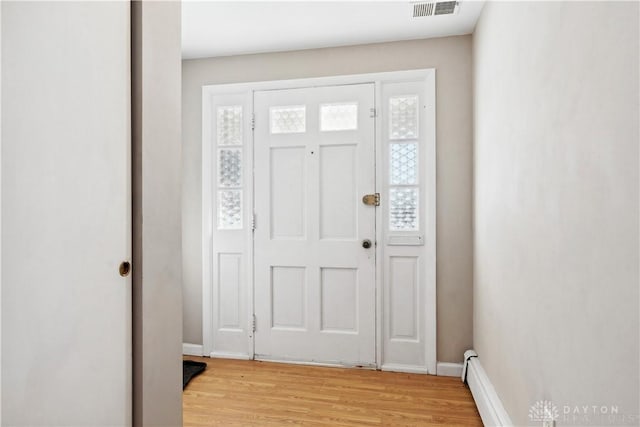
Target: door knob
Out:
[366,243]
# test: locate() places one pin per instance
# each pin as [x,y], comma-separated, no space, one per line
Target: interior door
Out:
[314,236]
[66,214]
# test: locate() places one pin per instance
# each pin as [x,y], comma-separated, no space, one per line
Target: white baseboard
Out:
[192,349]
[487,400]
[446,369]
[409,369]
[229,355]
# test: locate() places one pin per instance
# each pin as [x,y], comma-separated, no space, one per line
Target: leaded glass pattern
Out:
[229,125]
[230,167]
[403,117]
[335,117]
[229,138]
[230,209]
[403,209]
[404,164]
[288,119]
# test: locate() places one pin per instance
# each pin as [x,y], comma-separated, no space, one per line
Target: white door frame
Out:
[426,76]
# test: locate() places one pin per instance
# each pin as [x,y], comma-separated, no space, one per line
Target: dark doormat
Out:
[190,369]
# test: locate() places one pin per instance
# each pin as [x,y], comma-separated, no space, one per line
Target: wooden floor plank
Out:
[250,393]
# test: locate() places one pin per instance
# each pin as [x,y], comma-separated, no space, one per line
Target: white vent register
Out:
[434,8]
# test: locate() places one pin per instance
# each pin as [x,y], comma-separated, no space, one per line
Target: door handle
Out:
[125,268]
[366,243]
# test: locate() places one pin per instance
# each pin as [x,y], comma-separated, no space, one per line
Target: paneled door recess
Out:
[315,237]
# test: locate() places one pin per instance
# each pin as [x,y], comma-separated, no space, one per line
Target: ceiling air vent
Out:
[434,8]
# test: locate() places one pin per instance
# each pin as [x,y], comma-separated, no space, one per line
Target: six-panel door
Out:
[314,278]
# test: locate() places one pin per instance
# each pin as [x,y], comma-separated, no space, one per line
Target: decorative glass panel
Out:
[403,116]
[229,209]
[403,209]
[230,125]
[230,167]
[290,119]
[339,116]
[404,164]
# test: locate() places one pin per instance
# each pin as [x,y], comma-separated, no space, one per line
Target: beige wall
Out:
[451,56]
[556,204]
[157,270]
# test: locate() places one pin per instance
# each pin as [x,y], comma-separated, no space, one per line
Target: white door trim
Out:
[429,325]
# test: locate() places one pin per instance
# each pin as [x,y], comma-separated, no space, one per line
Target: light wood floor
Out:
[250,393]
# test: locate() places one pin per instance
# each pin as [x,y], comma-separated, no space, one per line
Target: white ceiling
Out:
[223,28]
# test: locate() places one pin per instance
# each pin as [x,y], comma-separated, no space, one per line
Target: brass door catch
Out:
[371,199]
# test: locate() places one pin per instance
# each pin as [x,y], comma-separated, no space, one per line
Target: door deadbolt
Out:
[125,268]
[371,199]
[366,243]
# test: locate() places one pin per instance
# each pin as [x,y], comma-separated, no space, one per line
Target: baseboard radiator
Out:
[487,400]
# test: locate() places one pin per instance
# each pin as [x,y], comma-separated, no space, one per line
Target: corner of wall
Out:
[0,213]
[156,163]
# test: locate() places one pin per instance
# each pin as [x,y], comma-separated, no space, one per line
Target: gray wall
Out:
[451,56]
[556,204]
[157,270]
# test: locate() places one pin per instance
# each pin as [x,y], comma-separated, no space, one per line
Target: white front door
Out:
[66,214]
[315,238]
